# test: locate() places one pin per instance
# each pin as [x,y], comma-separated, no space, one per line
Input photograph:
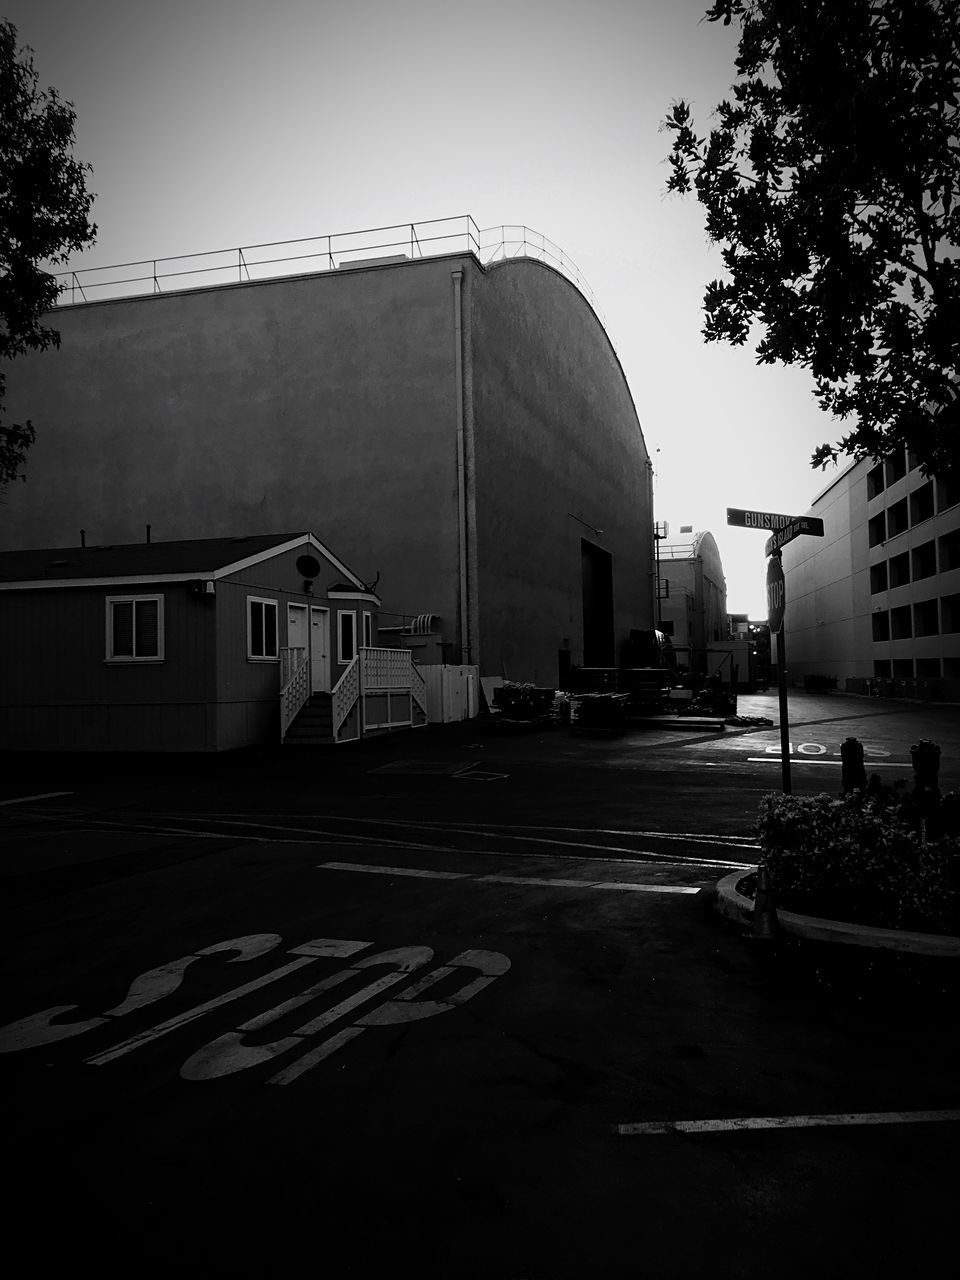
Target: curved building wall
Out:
[560,462]
[464,431]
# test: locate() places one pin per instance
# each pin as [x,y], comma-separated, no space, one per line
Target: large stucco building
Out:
[878,596]
[693,599]
[461,428]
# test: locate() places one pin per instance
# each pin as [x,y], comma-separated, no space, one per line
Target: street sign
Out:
[758,519]
[803,524]
[776,597]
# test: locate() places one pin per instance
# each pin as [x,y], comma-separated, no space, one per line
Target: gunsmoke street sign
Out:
[757,519]
[803,524]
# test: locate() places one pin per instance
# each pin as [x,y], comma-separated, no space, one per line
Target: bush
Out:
[861,860]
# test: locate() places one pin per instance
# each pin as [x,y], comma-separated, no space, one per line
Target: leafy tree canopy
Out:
[44,208]
[832,185]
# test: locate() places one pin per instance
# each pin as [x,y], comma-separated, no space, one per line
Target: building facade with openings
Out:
[693,600]
[878,597]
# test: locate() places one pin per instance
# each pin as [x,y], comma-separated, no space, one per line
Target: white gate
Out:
[452,692]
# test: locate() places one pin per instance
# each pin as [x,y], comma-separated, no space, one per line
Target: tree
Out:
[832,184]
[44,208]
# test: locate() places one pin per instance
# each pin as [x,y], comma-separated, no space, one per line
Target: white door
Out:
[297,626]
[320,649]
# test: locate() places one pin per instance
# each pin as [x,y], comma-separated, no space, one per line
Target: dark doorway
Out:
[598,637]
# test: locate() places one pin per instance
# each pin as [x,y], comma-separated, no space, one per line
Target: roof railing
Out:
[331,252]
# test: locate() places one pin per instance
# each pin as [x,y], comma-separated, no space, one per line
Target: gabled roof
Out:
[153,561]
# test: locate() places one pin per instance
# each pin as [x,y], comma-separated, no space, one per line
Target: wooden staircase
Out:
[313,724]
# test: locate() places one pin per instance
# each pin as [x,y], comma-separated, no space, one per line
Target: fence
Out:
[331,252]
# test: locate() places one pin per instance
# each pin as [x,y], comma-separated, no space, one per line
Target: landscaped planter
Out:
[860,869]
[734,900]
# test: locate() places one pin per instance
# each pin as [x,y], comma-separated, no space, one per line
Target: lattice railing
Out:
[294,686]
[386,668]
[345,695]
[418,689]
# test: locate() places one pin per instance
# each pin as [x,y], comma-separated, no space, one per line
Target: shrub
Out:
[859,859]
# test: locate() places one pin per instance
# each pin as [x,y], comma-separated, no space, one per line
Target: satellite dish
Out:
[308,566]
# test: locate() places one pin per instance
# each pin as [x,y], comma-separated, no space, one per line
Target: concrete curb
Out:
[738,908]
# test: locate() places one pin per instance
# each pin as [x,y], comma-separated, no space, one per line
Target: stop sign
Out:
[776,597]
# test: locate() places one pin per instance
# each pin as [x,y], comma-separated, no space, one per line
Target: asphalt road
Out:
[439,1004]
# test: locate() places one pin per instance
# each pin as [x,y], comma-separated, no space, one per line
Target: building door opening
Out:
[598,631]
[319,649]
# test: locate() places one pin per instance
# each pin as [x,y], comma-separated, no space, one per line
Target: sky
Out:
[218,123]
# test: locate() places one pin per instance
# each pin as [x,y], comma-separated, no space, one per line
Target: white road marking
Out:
[541,882]
[309,951]
[785,1122]
[645,854]
[46,795]
[871,764]
[147,988]
[695,837]
[230,1053]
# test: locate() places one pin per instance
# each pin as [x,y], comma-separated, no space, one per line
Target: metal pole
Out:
[784,720]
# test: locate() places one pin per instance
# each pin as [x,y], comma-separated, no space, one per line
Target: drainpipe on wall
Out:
[465,646]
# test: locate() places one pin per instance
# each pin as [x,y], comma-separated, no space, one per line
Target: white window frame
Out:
[352,615]
[121,658]
[367,629]
[274,605]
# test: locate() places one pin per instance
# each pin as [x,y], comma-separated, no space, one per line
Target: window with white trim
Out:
[367,629]
[134,628]
[347,633]
[262,629]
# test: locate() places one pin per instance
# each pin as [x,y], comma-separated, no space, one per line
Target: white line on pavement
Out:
[873,764]
[542,882]
[46,795]
[191,1015]
[784,1122]
[696,837]
[648,854]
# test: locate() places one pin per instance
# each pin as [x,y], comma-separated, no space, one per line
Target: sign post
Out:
[784,529]
[776,603]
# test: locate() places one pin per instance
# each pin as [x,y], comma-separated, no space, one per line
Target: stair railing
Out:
[344,696]
[294,685]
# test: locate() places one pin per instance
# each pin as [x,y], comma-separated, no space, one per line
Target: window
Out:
[950,551]
[926,620]
[897,519]
[881,626]
[877,529]
[134,628]
[948,493]
[875,481]
[924,561]
[666,626]
[367,629]
[921,503]
[878,577]
[881,668]
[900,570]
[950,606]
[903,668]
[261,629]
[348,636]
[928,668]
[900,625]
[896,467]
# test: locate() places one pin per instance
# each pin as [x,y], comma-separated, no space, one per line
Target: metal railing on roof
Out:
[332,252]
